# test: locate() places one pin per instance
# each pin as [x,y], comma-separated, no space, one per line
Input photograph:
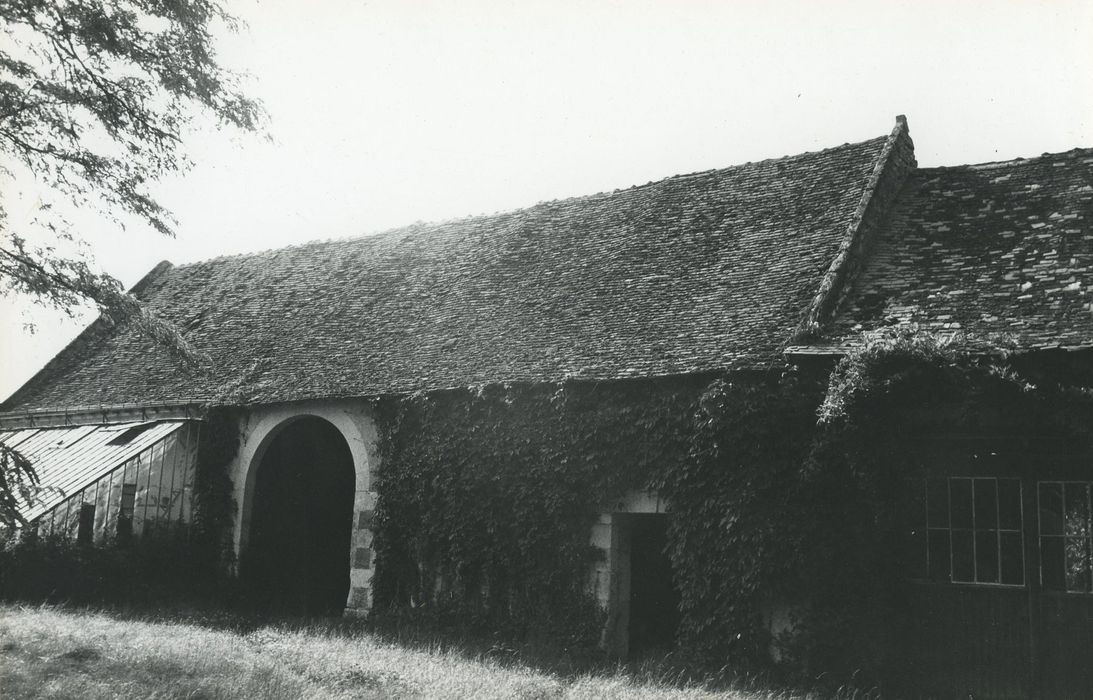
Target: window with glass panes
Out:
[1066,536]
[967,530]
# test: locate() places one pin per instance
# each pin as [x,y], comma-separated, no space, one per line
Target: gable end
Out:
[895,164]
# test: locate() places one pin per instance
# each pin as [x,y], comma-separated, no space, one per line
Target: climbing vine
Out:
[214,507]
[785,490]
[738,534]
[832,550]
[487,497]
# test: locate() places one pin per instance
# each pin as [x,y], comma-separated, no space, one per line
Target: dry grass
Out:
[52,653]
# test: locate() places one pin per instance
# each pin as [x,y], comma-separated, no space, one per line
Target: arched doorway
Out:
[297,559]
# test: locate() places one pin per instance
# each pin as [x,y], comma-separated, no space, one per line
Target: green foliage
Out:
[881,401]
[96,97]
[214,507]
[185,563]
[784,490]
[18,484]
[486,498]
[153,570]
[910,368]
[95,94]
[737,538]
[954,385]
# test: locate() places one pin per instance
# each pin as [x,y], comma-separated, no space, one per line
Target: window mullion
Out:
[926,521]
[975,538]
[949,511]
[998,527]
[1039,535]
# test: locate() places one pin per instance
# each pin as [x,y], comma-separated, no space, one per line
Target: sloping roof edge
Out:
[102,415]
[896,161]
[842,350]
[85,336]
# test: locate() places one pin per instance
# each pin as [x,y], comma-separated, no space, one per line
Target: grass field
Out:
[55,653]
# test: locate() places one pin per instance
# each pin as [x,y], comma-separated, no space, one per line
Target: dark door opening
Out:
[654,600]
[297,560]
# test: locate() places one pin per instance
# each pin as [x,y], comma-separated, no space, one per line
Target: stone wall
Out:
[355,421]
[609,577]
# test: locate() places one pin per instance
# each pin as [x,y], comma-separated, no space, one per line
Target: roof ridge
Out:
[407,228]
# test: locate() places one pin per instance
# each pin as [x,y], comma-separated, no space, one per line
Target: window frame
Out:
[1087,537]
[85,528]
[126,512]
[975,530]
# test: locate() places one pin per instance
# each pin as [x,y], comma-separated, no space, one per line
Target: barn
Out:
[308,357]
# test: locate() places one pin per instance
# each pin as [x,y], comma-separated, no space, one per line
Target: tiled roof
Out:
[999,251]
[696,272]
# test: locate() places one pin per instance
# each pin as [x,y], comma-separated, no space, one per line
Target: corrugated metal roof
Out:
[15,438]
[69,459]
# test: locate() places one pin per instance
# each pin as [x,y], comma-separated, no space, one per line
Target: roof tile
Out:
[697,272]
[1001,251]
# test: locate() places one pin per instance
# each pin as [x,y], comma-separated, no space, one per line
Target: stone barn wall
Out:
[354,420]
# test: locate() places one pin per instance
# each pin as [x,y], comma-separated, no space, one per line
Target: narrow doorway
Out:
[297,561]
[654,599]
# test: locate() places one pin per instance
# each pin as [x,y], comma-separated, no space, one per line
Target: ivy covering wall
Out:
[486,498]
[784,489]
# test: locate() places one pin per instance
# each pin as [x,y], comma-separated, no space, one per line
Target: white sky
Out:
[389,112]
